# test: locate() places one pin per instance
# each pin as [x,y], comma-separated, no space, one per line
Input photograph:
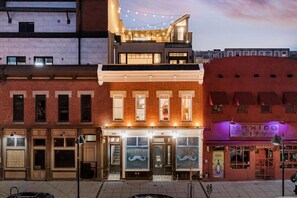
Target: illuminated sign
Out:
[253,130]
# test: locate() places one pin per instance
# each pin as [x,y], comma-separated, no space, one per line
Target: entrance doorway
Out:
[264,168]
[114,161]
[159,159]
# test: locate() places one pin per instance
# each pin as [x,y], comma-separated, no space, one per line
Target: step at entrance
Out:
[162,178]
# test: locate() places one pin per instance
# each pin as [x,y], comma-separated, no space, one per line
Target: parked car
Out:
[150,196]
[31,195]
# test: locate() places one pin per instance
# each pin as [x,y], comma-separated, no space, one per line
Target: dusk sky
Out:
[219,24]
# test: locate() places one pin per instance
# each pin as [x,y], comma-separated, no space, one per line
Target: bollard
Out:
[209,189]
[190,190]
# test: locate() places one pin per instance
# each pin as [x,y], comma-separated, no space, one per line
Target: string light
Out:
[140,19]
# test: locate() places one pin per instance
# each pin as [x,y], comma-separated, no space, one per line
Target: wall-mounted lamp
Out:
[232,121]
[282,122]
[123,134]
[150,134]
[62,134]
[12,134]
[9,18]
[129,125]
[174,134]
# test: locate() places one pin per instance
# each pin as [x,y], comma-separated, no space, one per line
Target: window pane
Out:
[38,142]
[131,141]
[26,26]
[118,112]
[39,159]
[157,58]
[186,108]
[20,142]
[64,159]
[63,108]
[70,142]
[40,109]
[18,108]
[59,142]
[140,108]
[122,59]
[86,108]
[142,141]
[164,109]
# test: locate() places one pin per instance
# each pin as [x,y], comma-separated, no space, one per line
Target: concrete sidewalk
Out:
[177,189]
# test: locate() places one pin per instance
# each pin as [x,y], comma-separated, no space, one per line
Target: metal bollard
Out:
[190,190]
[209,189]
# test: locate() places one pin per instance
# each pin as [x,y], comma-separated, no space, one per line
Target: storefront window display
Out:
[137,152]
[187,153]
[290,156]
[239,157]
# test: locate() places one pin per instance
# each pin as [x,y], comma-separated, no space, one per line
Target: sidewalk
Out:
[177,189]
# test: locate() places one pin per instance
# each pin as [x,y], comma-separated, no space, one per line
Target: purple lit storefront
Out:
[244,151]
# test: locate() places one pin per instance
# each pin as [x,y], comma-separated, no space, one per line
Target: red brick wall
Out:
[101,103]
[152,110]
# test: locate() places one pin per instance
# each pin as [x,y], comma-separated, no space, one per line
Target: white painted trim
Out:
[57,93]
[79,93]
[144,93]
[187,92]
[165,92]
[34,93]
[11,93]
[122,93]
[151,76]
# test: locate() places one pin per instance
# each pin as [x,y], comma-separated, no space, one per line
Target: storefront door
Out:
[264,168]
[158,160]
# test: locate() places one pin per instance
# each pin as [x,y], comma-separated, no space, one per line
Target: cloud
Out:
[282,12]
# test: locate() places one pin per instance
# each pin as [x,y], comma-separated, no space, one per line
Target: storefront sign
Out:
[218,164]
[253,130]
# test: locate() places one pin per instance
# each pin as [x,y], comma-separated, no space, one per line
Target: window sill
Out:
[164,120]
[86,123]
[18,122]
[63,122]
[118,120]
[186,120]
[41,122]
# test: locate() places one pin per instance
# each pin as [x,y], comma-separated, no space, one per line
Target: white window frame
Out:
[161,95]
[117,95]
[190,94]
[137,95]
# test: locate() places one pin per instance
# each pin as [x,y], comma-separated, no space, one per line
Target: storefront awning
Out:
[244,98]
[218,98]
[268,98]
[290,98]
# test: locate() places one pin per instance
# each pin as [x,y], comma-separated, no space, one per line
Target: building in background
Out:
[247,101]
[206,56]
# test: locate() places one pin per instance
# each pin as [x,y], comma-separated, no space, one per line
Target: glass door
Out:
[159,159]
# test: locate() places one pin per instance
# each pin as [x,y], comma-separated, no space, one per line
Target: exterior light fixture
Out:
[12,134]
[123,134]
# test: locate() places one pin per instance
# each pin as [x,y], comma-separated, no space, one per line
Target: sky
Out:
[219,24]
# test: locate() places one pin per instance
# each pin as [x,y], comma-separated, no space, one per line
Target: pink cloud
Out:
[267,11]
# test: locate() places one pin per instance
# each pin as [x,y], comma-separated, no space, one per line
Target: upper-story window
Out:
[40,108]
[265,109]
[18,108]
[140,105]
[186,104]
[181,29]
[85,108]
[16,60]
[178,57]
[118,105]
[40,61]
[63,108]
[164,105]
[139,58]
[26,26]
